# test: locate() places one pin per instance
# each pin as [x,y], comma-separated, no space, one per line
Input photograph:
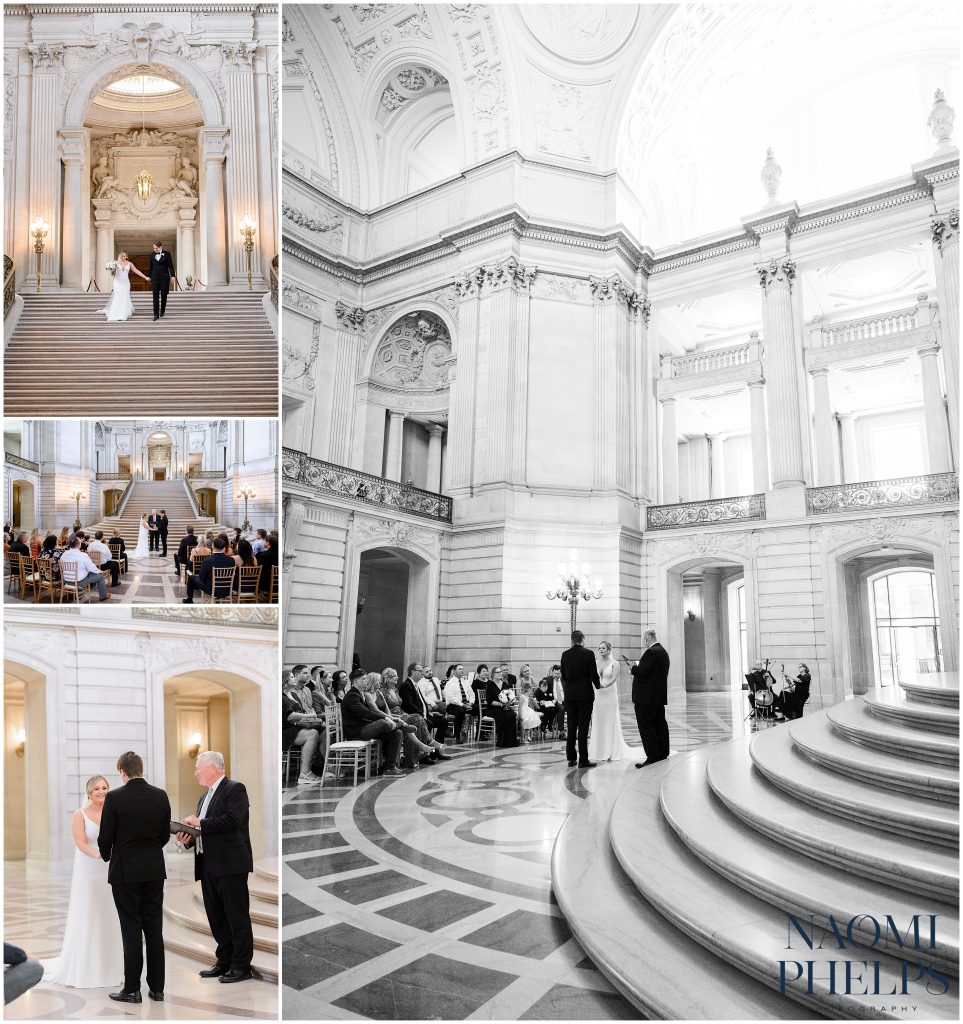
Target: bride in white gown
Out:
[92,955]
[120,306]
[142,550]
[606,742]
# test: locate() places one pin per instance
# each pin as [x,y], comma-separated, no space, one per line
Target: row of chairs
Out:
[39,576]
[223,590]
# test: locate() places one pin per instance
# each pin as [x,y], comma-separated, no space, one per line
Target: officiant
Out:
[222,861]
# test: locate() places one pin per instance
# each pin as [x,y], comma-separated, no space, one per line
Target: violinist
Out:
[757,682]
[798,692]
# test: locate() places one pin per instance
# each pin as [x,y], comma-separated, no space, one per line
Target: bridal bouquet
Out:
[111,265]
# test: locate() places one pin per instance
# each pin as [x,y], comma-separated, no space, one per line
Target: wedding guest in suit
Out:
[650,695]
[580,676]
[20,545]
[266,558]
[182,556]
[107,561]
[361,722]
[114,539]
[413,703]
[204,580]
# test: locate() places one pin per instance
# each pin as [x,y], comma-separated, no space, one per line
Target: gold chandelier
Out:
[144,180]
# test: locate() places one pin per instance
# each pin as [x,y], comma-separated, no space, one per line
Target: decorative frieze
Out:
[216,615]
[296,365]
[507,273]
[393,531]
[705,513]
[897,492]
[241,54]
[299,299]
[318,221]
[414,354]
[350,318]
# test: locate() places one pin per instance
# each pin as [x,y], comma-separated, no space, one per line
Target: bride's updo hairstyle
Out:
[91,782]
[123,252]
[606,645]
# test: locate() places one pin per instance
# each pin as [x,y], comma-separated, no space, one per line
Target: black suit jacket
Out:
[161,268]
[580,674]
[411,700]
[205,577]
[356,713]
[650,677]
[162,522]
[188,542]
[225,832]
[134,829]
[265,559]
[18,548]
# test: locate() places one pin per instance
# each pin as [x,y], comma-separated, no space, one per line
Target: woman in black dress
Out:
[499,705]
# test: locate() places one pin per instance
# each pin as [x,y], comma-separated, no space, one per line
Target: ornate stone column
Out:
[187,216]
[461,417]
[946,242]
[295,510]
[213,145]
[44,159]
[670,454]
[396,431]
[782,348]
[847,430]
[433,477]
[348,344]
[937,441]
[760,437]
[824,426]
[717,466]
[105,243]
[73,153]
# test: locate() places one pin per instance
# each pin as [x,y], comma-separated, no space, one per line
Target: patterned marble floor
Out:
[147,581]
[35,913]
[429,896]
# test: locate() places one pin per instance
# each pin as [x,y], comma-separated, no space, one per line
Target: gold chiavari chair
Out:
[222,586]
[249,578]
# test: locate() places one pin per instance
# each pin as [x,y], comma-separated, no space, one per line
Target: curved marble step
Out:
[882,807]
[267,868]
[179,906]
[738,927]
[817,738]
[261,889]
[854,720]
[917,867]
[651,963]
[935,688]
[796,885]
[891,705]
[261,912]
[201,948]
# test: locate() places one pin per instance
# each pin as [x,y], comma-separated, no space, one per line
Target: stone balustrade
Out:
[15,460]
[207,474]
[869,327]
[897,492]
[114,476]
[275,275]
[705,513]
[9,285]
[327,478]
[709,361]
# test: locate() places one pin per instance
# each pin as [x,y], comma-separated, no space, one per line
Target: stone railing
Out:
[705,513]
[114,476]
[207,474]
[275,273]
[122,502]
[9,284]
[15,460]
[707,362]
[298,468]
[192,497]
[898,492]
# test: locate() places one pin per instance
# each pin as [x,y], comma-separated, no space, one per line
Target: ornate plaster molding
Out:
[350,318]
[946,230]
[776,273]
[299,299]
[296,365]
[317,221]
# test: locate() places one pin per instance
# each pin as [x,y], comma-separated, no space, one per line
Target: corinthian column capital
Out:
[946,229]
[776,273]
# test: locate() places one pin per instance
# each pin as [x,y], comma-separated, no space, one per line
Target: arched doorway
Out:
[207,501]
[160,456]
[23,505]
[26,814]
[112,501]
[714,626]
[212,709]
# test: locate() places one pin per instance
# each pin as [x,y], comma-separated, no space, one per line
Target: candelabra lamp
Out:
[573,585]
[77,496]
[248,230]
[246,493]
[39,229]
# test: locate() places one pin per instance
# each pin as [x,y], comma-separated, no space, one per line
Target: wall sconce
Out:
[21,748]
[362,600]
[690,614]
[39,230]
[195,748]
[248,228]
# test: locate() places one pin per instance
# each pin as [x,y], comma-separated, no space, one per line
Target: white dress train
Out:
[120,306]
[142,550]
[606,742]
[92,954]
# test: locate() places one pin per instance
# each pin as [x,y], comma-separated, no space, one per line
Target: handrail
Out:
[16,460]
[115,476]
[123,498]
[207,474]
[275,274]
[9,284]
[705,513]
[193,498]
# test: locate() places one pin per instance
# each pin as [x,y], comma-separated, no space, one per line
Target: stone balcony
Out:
[870,495]
[340,482]
[15,460]
[712,512]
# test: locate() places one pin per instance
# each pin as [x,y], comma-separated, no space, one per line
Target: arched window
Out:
[906,625]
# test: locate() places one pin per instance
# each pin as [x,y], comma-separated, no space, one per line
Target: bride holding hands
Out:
[606,742]
[143,532]
[120,306]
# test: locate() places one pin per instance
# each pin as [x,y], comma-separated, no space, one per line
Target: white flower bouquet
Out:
[111,265]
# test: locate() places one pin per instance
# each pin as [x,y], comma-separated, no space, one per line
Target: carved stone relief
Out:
[415,354]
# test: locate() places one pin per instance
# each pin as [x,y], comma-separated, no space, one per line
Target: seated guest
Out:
[20,972]
[265,558]
[107,560]
[544,704]
[52,552]
[556,689]
[115,540]
[419,747]
[234,539]
[339,684]
[243,555]
[87,573]
[459,699]
[62,539]
[499,707]
[300,728]
[507,676]
[204,580]
[182,556]
[20,546]
[413,702]
[258,543]
[34,543]
[359,721]
[529,717]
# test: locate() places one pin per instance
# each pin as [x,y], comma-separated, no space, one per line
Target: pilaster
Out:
[946,245]
[45,200]
[824,427]
[347,352]
[73,153]
[461,416]
[937,442]
[214,148]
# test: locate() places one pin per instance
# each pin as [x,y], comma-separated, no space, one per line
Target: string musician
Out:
[795,691]
[760,682]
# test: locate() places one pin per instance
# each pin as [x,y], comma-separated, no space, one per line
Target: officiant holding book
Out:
[222,861]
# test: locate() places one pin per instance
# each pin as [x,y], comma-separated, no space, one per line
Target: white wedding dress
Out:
[142,550]
[606,742]
[120,306]
[92,954]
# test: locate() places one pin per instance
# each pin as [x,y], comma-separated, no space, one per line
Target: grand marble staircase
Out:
[186,930]
[146,495]
[64,359]
[680,886]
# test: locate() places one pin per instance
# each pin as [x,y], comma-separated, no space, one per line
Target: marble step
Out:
[934,688]
[918,867]
[793,884]
[179,906]
[267,868]
[201,948]
[737,926]
[879,805]
[262,911]
[854,720]
[818,739]
[658,968]
[891,705]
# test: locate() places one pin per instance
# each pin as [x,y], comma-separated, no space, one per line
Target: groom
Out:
[134,829]
[579,675]
[161,272]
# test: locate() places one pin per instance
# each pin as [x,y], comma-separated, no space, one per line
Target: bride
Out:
[606,742]
[120,306]
[143,532]
[92,955]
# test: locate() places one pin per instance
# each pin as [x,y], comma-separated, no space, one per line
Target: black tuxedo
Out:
[134,829]
[580,680]
[183,553]
[650,695]
[222,867]
[413,703]
[161,272]
[162,524]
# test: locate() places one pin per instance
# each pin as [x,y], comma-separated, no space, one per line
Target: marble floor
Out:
[429,896]
[35,913]
[147,581]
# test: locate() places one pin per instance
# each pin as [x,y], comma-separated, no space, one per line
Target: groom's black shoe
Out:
[588,764]
[235,974]
[215,971]
[572,764]
[642,764]
[126,997]
[156,318]
[158,997]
